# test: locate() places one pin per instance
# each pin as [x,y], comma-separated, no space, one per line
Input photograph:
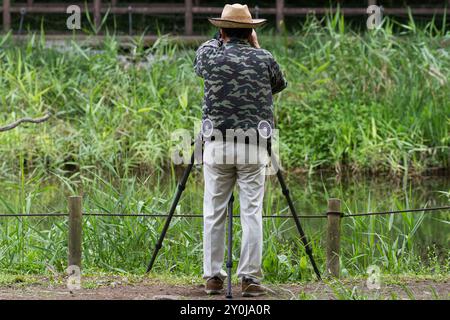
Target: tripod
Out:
[229,294]
[284,189]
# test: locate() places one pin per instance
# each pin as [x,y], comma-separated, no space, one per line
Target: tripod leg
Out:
[180,189]
[308,249]
[230,247]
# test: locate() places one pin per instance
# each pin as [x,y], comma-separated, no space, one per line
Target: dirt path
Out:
[155,289]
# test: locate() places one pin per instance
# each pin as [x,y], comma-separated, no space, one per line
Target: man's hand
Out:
[253,40]
[218,37]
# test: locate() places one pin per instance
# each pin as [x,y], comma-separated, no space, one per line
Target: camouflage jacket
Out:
[239,81]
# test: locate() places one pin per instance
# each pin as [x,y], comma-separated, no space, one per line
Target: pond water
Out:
[374,194]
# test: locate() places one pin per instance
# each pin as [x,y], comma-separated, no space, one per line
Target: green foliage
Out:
[373,102]
[398,244]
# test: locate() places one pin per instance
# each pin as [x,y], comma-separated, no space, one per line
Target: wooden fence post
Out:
[333,236]
[188,17]
[279,14]
[97,15]
[75,231]
[6,15]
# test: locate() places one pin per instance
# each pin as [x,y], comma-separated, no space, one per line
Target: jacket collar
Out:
[237,41]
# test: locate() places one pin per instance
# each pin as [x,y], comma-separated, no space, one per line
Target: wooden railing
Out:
[192,7]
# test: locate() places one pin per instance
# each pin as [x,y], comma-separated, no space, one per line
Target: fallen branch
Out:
[24,120]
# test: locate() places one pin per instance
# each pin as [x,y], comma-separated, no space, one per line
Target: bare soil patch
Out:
[122,288]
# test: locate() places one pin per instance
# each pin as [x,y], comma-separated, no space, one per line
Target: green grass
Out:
[404,243]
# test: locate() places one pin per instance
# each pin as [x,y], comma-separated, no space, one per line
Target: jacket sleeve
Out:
[277,80]
[203,56]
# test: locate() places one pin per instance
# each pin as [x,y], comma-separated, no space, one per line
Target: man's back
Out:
[239,83]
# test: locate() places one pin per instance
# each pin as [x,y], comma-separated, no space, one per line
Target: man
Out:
[239,81]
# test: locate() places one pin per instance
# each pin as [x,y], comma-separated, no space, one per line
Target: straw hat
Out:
[236,16]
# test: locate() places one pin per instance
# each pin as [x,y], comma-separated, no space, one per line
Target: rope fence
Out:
[334,215]
[274,216]
[398,211]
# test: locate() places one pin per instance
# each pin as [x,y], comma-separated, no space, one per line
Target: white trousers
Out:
[220,179]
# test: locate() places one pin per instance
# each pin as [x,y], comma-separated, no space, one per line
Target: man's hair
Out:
[241,33]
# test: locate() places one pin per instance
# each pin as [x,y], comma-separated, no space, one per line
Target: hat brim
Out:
[223,23]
